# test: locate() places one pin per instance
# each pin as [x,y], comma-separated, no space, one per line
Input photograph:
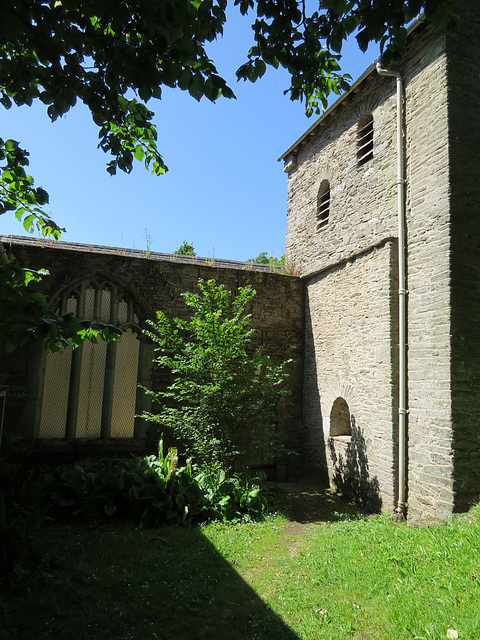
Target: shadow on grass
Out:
[114,582]
[307,502]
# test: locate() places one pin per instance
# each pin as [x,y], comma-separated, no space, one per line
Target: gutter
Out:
[402,295]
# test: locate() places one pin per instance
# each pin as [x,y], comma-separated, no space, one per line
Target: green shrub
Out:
[135,488]
[238,497]
[151,491]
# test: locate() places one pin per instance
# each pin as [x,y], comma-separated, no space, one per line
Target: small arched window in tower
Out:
[365,139]
[340,423]
[323,205]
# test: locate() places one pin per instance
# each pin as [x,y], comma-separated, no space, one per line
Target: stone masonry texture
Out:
[349,269]
[348,352]
[277,308]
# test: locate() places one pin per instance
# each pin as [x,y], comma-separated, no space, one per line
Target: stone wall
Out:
[464,144]
[363,198]
[363,218]
[349,354]
[157,282]
[430,462]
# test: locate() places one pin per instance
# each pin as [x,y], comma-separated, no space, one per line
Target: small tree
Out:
[274,262]
[224,400]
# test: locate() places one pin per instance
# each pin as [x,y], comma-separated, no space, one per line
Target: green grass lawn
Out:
[343,576]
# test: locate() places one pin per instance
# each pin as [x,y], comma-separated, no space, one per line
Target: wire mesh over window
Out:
[323,205]
[124,392]
[55,394]
[365,139]
[56,386]
[90,392]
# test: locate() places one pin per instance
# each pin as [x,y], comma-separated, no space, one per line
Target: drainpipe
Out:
[402,295]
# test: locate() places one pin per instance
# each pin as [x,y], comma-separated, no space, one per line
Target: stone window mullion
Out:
[74,393]
[108,389]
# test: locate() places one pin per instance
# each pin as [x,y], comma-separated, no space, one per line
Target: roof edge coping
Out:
[368,71]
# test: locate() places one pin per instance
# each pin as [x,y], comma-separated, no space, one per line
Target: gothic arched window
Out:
[90,392]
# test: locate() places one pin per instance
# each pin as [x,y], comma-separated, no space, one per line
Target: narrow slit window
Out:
[323,205]
[365,139]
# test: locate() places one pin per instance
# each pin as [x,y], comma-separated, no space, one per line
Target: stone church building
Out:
[381,319]
[353,183]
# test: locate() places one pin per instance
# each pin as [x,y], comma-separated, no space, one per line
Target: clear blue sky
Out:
[225,192]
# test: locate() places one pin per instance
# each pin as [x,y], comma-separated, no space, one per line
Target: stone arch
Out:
[119,307]
[340,419]
[336,389]
[324,172]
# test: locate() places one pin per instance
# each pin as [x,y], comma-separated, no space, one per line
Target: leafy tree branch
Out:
[59,51]
[18,194]
[117,56]
[26,315]
[309,43]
